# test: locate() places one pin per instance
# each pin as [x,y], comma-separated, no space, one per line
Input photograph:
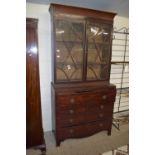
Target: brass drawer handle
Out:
[72,100]
[71,111]
[101,106]
[101,115]
[104,97]
[71,120]
[101,124]
[71,130]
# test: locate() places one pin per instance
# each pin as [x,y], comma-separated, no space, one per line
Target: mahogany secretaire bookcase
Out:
[83,98]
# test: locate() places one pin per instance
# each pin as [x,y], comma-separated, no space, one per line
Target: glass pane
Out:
[69,49]
[98,36]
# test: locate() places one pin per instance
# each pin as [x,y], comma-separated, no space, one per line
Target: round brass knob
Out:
[72,100]
[101,106]
[71,120]
[71,111]
[101,124]
[101,115]
[104,97]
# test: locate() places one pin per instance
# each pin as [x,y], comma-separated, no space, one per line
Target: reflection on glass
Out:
[94,30]
[98,31]
[68,67]
[59,31]
[105,33]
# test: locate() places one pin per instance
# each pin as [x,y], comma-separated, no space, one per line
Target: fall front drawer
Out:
[88,98]
[80,103]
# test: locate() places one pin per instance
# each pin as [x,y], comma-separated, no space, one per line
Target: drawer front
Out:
[71,110]
[83,130]
[67,121]
[106,107]
[76,111]
[70,99]
[73,116]
[109,97]
[75,104]
[92,117]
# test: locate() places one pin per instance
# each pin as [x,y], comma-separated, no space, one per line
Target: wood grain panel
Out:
[34,131]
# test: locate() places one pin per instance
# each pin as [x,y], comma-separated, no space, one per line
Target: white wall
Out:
[120,22]
[44,37]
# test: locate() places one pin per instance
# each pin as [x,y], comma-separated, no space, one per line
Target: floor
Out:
[123,150]
[94,145]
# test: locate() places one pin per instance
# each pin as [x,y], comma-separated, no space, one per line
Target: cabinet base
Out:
[109,132]
[58,141]
[42,148]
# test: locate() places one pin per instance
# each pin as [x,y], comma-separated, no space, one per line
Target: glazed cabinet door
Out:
[98,50]
[69,48]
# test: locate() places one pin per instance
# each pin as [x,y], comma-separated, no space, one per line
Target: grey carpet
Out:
[93,145]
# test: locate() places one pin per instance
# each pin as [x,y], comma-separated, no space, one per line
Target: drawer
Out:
[86,98]
[100,107]
[92,107]
[92,117]
[76,119]
[83,130]
[71,110]
[67,100]
[75,103]
[106,97]
[70,120]
[77,100]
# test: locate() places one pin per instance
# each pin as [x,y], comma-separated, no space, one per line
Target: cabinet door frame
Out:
[69,54]
[109,24]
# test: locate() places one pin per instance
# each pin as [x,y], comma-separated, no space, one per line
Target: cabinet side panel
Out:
[53,108]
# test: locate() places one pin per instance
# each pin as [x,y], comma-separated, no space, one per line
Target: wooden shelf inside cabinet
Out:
[79,64]
[69,41]
[82,55]
[81,42]
[120,62]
